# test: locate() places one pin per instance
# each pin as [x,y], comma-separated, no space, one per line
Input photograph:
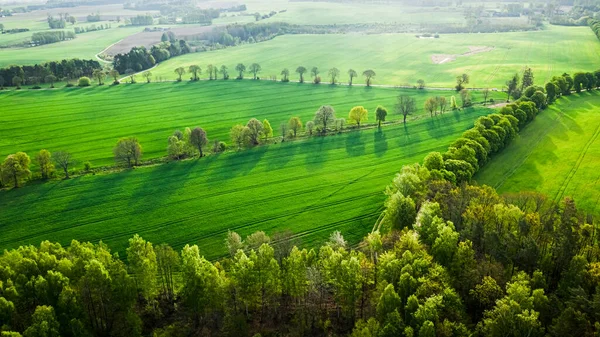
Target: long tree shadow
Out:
[238,163]
[316,153]
[380,143]
[287,150]
[355,144]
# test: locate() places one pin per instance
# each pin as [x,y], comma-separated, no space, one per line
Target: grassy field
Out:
[557,155]
[403,59]
[89,121]
[310,187]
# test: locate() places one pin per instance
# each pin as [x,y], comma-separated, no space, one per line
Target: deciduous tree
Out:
[238,135]
[147,75]
[324,117]
[352,74]
[295,124]
[179,71]
[64,160]
[44,161]
[267,130]
[461,81]
[357,115]
[15,168]
[255,130]
[223,72]
[240,68]
[255,68]
[128,151]
[369,74]
[333,74]
[301,70]
[286,74]
[198,139]
[405,106]
[380,114]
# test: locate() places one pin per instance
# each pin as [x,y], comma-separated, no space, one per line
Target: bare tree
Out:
[128,151]
[406,105]
[63,160]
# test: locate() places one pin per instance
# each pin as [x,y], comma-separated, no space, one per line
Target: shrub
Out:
[87,166]
[36,87]
[317,80]
[84,82]
[69,85]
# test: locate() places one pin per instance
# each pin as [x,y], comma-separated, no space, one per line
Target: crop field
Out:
[310,187]
[557,155]
[89,121]
[400,59]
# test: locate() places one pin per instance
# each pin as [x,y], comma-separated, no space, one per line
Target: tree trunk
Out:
[16,180]
[404,119]
[66,173]
[200,149]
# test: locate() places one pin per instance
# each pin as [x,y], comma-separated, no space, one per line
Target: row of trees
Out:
[140,58]
[15,168]
[61,70]
[256,68]
[40,38]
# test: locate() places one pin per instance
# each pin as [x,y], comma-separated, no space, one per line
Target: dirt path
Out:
[473,50]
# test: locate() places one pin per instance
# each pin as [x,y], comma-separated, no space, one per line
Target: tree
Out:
[143,265]
[405,106]
[314,72]
[267,129]
[179,71]
[98,74]
[511,86]
[461,81]
[223,72]
[286,74]
[17,80]
[357,115]
[49,79]
[64,160]
[352,74]
[16,168]
[369,74]
[198,139]
[324,117]
[128,151]
[115,75]
[240,68]
[551,91]
[130,73]
[431,105]
[333,74]
[84,82]
[43,323]
[255,130]
[465,97]
[527,78]
[195,70]
[255,68]
[211,69]
[295,124]
[579,82]
[301,70]
[44,161]
[310,126]
[442,103]
[421,84]
[238,135]
[380,114]
[283,130]
[176,147]
[486,93]
[147,75]
[400,211]
[234,243]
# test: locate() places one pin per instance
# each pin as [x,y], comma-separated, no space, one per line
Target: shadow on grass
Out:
[287,150]
[380,143]
[238,163]
[316,153]
[355,143]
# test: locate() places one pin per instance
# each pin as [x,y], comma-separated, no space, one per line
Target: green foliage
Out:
[84,82]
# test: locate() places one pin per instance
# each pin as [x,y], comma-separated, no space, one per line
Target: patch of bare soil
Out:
[148,39]
[473,50]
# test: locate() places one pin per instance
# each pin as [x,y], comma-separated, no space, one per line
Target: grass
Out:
[88,121]
[310,187]
[400,59]
[557,155]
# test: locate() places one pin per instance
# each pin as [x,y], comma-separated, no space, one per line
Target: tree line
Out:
[48,72]
[140,58]
[41,38]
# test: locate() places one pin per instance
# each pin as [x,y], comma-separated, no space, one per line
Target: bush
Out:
[69,85]
[36,87]
[116,82]
[87,166]
[84,82]
[285,80]
[317,80]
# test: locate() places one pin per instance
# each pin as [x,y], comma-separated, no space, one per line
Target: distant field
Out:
[558,155]
[89,121]
[403,59]
[310,187]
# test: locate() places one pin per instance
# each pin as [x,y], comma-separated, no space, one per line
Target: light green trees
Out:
[176,147]
[44,161]
[400,211]
[15,168]
[167,261]
[240,68]
[224,72]
[267,129]
[43,323]
[98,74]
[255,129]
[143,267]
[194,70]
[295,125]
[238,135]
[357,115]
[147,75]
[333,74]
[255,68]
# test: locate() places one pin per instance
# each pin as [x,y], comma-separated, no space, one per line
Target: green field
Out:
[89,121]
[400,59]
[557,155]
[310,187]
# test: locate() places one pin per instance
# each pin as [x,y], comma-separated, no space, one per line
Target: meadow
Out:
[402,59]
[310,187]
[88,121]
[557,155]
